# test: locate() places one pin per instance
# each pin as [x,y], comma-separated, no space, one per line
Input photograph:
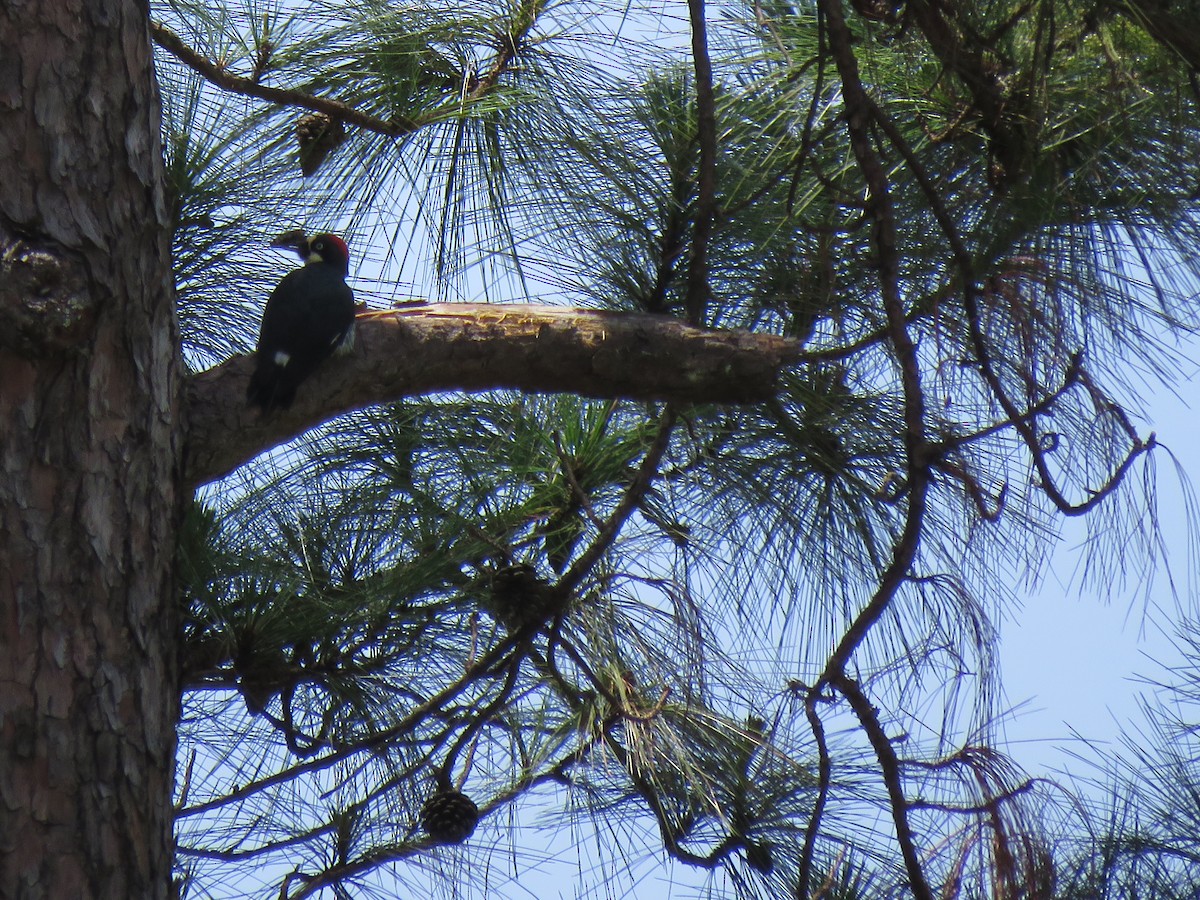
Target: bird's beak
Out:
[293,240]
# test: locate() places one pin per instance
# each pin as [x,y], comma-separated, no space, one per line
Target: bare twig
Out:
[824,769]
[1023,422]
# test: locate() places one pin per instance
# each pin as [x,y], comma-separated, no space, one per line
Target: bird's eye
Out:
[318,245]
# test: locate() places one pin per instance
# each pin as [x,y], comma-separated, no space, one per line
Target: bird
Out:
[309,316]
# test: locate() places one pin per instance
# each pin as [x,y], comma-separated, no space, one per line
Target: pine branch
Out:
[860,112]
[367,744]
[824,776]
[889,766]
[479,347]
[1174,29]
[509,46]
[633,496]
[226,80]
[967,55]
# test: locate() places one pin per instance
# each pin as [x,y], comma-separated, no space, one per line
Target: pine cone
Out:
[519,598]
[318,135]
[449,816]
[759,857]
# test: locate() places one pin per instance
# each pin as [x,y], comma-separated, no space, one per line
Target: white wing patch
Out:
[346,345]
[282,359]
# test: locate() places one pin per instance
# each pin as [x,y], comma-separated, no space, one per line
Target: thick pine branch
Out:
[1173,28]
[476,347]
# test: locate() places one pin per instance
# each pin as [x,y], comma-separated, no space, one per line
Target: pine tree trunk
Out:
[89,456]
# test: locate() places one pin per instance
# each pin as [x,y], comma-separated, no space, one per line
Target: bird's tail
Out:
[271,387]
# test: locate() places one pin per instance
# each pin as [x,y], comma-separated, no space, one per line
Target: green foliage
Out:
[624,617]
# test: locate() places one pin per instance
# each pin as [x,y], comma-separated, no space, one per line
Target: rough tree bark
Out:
[90,448]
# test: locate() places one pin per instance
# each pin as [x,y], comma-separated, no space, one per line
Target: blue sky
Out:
[1076,661]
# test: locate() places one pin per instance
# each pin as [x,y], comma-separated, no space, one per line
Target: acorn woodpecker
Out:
[309,315]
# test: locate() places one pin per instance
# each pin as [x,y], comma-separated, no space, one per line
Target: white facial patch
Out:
[282,359]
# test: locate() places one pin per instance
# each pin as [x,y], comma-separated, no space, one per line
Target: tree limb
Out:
[217,74]
[889,765]
[1174,29]
[476,347]
[860,113]
[226,80]
[706,175]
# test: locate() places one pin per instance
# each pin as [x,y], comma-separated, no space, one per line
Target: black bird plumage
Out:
[308,317]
